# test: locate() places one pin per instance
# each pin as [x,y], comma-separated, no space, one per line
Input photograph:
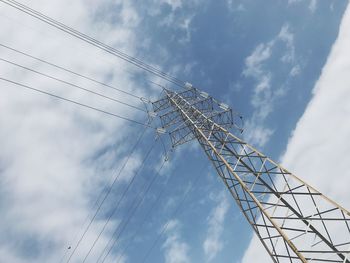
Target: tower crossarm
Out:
[294,221]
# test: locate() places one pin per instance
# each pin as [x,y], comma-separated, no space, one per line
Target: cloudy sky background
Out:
[283,65]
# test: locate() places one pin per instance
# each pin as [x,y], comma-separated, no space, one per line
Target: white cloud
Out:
[257,134]
[264,94]
[287,37]
[180,22]
[213,243]
[49,168]
[176,250]
[186,27]
[312,4]
[295,71]
[263,52]
[262,98]
[318,148]
[235,6]
[175,4]
[254,61]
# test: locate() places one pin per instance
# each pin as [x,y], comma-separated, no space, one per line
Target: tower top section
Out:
[201,104]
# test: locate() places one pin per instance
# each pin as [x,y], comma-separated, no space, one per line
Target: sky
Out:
[281,64]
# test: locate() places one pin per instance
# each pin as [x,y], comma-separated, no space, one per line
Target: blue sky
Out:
[222,36]
[263,58]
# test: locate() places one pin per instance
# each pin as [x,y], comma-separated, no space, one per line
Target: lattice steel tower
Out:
[294,221]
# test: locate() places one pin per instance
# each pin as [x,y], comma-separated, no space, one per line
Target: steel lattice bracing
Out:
[294,221]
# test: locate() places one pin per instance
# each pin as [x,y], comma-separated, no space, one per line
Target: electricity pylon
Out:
[294,221]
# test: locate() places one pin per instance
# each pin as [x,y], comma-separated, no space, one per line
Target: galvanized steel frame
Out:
[294,221]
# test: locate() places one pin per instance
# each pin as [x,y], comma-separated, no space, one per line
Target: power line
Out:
[140,197]
[93,42]
[114,210]
[69,71]
[97,205]
[75,102]
[175,212]
[83,225]
[149,211]
[72,85]
[109,189]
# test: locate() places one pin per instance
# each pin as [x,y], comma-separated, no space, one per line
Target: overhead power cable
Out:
[140,64]
[105,191]
[72,85]
[116,207]
[69,71]
[108,191]
[75,102]
[175,212]
[165,227]
[145,218]
[138,200]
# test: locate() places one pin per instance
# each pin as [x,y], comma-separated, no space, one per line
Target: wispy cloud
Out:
[312,4]
[254,62]
[175,4]
[235,6]
[175,249]
[48,146]
[264,94]
[213,243]
[313,149]
[287,37]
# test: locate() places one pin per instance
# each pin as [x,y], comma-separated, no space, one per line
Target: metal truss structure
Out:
[294,221]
